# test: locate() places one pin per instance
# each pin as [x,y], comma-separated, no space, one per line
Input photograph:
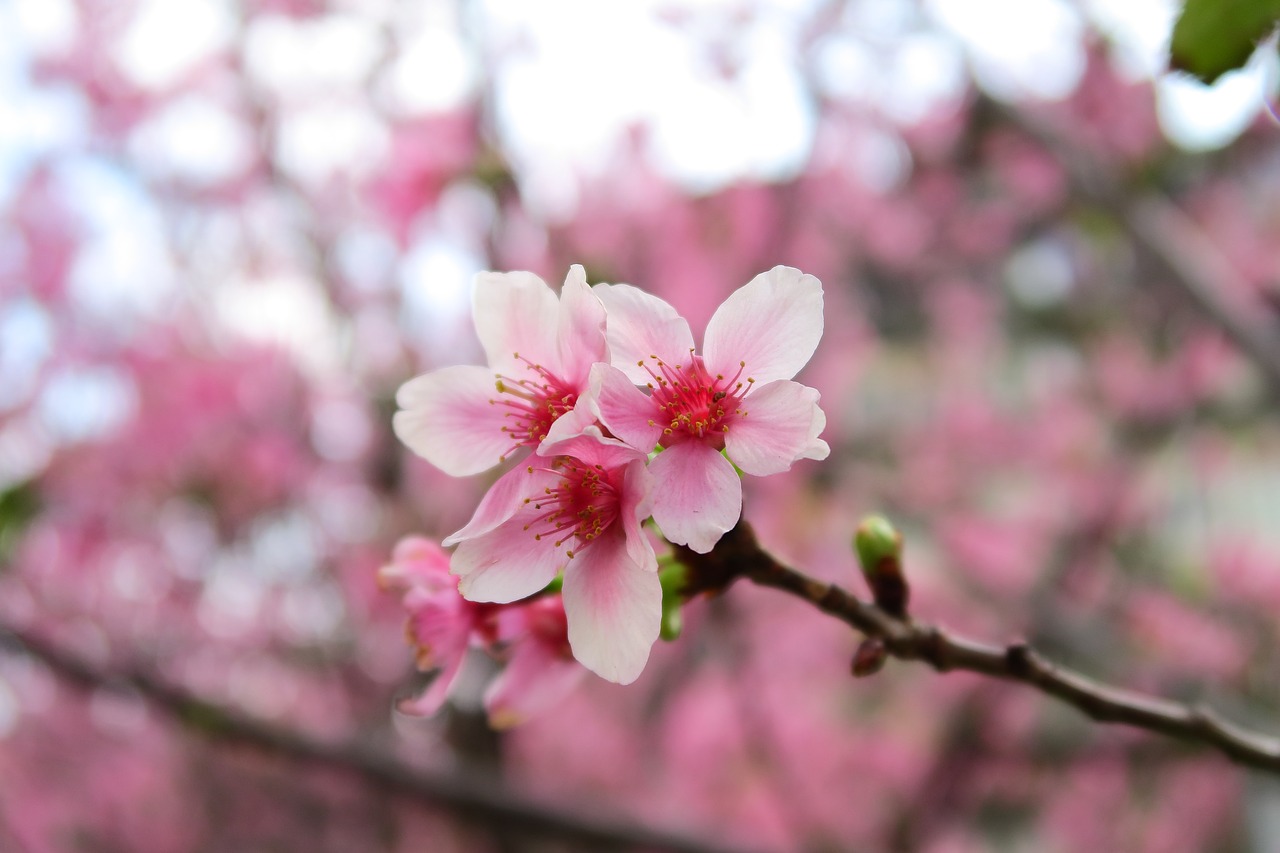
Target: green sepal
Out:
[673,579]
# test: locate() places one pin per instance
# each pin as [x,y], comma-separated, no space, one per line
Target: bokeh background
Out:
[231,229]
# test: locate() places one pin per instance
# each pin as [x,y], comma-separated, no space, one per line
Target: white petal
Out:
[614,608]
[580,333]
[515,312]
[641,325]
[503,499]
[624,409]
[508,563]
[446,418]
[697,495]
[637,505]
[592,447]
[773,323]
[781,425]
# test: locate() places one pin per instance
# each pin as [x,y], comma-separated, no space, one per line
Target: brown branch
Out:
[738,555]
[481,802]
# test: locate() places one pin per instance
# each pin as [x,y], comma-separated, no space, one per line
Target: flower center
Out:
[695,404]
[533,404]
[581,505]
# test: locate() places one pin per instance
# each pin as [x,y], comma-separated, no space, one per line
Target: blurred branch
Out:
[478,801]
[1171,242]
[738,555]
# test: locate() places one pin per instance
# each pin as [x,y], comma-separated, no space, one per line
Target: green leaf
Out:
[1213,37]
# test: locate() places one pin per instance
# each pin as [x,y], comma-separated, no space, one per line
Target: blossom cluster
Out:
[608,416]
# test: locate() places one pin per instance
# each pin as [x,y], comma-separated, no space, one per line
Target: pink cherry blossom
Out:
[577,511]
[541,669]
[443,625]
[463,419]
[737,396]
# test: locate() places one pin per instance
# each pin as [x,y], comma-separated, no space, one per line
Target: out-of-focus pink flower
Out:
[541,669]
[737,396]
[441,622]
[578,510]
[442,625]
[541,348]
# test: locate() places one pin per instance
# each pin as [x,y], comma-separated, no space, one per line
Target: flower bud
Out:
[879,547]
[869,658]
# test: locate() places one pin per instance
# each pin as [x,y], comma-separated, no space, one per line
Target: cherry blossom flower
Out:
[579,511]
[541,669]
[463,419]
[443,625]
[736,397]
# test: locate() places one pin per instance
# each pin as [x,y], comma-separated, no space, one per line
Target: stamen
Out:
[533,404]
[579,507]
[696,404]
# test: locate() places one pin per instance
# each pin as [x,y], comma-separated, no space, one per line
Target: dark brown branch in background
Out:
[738,555]
[483,803]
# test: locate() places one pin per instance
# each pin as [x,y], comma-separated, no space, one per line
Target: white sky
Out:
[569,76]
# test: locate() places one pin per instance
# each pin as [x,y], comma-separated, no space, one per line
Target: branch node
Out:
[1018,658]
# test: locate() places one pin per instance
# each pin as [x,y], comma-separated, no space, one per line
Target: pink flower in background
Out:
[462,419]
[737,396]
[442,625]
[541,669]
[578,511]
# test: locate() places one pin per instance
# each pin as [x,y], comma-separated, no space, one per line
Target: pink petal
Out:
[440,626]
[536,677]
[580,334]
[817,449]
[498,504]
[614,609]
[778,428]
[507,563]
[697,495]
[625,410]
[572,423]
[593,448]
[637,502]
[640,326]
[446,418]
[416,562]
[515,312]
[773,323]
[431,699]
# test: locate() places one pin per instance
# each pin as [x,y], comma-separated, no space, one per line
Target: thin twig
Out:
[738,555]
[478,801]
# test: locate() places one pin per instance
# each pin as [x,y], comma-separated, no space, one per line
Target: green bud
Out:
[876,539]
[879,547]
